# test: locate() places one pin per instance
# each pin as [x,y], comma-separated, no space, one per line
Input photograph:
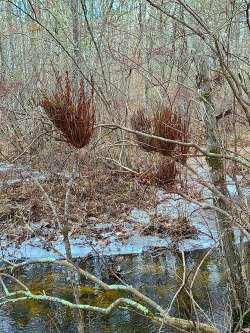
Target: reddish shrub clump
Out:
[73,116]
[166,170]
[169,125]
[140,122]
[165,124]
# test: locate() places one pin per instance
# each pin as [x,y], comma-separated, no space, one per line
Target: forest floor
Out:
[101,204]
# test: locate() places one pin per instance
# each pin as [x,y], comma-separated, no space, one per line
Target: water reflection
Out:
[157,274]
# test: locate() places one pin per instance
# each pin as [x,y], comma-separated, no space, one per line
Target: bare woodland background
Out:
[188,58]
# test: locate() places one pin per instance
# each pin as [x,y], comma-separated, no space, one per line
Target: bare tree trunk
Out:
[76,41]
[2,62]
[10,63]
[238,285]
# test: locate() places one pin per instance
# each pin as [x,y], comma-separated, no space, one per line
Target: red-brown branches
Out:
[167,170]
[73,115]
[140,122]
[166,124]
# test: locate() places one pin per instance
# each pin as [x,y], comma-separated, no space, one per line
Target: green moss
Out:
[205,95]
[87,290]
[215,163]
[247,269]
[107,297]
[246,320]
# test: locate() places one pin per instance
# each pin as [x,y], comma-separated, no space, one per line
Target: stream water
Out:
[156,273]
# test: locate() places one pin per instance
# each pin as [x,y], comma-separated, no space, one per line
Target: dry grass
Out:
[169,125]
[167,170]
[166,124]
[73,116]
[99,196]
[178,229]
